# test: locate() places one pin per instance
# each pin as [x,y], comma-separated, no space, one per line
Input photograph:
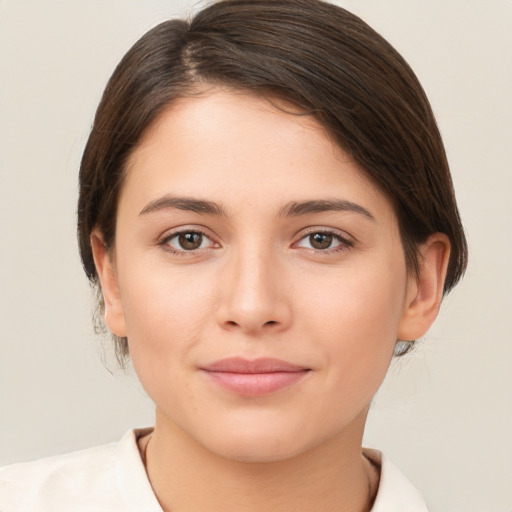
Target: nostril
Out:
[270,322]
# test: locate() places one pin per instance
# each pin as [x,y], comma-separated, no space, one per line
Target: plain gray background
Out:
[444,413]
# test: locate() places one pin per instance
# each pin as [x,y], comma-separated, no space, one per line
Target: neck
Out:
[332,477]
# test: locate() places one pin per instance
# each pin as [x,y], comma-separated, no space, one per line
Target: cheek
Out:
[165,316]
[354,319]
[163,300]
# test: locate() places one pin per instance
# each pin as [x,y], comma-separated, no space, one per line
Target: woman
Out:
[266,207]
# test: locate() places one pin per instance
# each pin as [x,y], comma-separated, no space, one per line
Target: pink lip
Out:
[254,378]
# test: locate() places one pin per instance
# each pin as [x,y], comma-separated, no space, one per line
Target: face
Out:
[258,275]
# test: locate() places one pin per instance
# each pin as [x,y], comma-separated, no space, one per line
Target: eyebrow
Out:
[294,209]
[184,203]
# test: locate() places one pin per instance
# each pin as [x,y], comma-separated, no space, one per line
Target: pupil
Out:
[320,240]
[190,241]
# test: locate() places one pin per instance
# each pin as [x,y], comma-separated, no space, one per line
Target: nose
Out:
[254,294]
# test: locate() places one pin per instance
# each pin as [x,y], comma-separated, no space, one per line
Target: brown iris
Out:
[320,240]
[190,241]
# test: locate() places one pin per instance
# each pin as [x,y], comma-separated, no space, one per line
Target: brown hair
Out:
[313,54]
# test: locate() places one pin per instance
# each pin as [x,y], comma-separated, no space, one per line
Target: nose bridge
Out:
[253,289]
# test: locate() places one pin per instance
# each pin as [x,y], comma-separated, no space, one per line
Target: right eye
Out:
[187,241]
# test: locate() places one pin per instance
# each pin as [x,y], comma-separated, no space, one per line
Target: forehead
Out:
[232,146]
[232,116]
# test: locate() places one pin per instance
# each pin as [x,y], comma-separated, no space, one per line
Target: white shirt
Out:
[112,478]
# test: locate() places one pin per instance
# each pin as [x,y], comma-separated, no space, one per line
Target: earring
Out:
[402,347]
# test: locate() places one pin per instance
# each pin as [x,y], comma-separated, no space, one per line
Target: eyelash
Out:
[164,243]
[344,243]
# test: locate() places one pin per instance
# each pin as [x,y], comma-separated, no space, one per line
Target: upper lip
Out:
[261,365]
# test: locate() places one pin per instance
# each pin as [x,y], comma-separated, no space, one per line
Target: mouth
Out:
[254,378]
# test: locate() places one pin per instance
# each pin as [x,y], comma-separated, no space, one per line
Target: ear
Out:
[425,291]
[105,267]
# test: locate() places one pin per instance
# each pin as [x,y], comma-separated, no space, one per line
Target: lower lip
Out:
[256,384]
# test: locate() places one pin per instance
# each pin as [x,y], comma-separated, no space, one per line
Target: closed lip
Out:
[256,377]
[261,365]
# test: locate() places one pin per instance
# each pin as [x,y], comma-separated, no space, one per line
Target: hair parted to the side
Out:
[313,54]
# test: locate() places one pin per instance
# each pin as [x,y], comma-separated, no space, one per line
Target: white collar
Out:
[395,494]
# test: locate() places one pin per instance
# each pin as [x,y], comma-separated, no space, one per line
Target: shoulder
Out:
[395,491]
[100,479]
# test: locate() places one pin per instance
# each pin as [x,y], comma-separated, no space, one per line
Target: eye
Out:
[187,241]
[323,241]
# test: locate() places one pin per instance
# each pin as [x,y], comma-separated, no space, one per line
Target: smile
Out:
[254,378]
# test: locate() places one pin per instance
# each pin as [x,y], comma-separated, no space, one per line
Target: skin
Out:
[258,285]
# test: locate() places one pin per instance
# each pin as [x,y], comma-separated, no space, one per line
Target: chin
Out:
[259,442]
[260,450]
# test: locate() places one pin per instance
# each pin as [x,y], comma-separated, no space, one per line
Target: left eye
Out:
[321,241]
[188,241]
